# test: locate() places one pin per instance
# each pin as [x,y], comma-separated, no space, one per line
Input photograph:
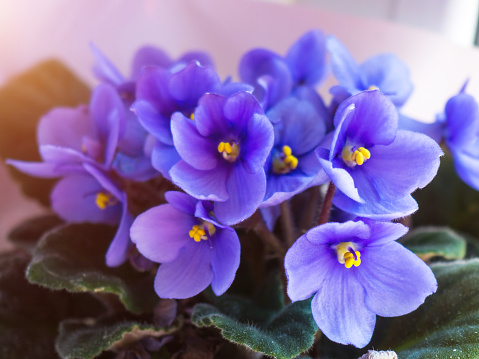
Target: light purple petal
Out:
[225,259]
[408,163]
[335,233]
[104,179]
[149,55]
[383,232]
[395,279]
[104,69]
[343,65]
[198,151]
[339,308]
[161,232]
[163,158]
[245,191]
[282,187]
[182,202]
[257,143]
[462,114]
[434,130]
[117,252]
[188,275]
[198,56]
[206,185]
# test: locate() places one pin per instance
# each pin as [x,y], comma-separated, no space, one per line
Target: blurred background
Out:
[456,20]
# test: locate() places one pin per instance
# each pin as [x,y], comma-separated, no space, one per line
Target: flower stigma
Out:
[353,155]
[203,231]
[229,150]
[348,255]
[105,199]
[285,162]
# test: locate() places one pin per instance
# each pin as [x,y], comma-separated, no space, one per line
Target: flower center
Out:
[229,150]
[105,199]
[348,255]
[353,155]
[203,231]
[373,87]
[285,162]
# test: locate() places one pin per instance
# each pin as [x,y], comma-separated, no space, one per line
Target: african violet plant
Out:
[172,181]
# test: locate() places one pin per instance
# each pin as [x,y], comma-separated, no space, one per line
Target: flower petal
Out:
[343,65]
[104,69]
[188,275]
[164,157]
[239,109]
[161,232]
[257,144]
[117,252]
[153,121]
[395,279]
[225,259]
[149,55]
[182,202]
[462,113]
[335,233]
[209,117]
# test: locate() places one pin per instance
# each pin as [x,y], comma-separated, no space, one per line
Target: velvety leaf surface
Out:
[72,257]
[265,326]
[429,242]
[27,234]
[29,314]
[88,338]
[23,100]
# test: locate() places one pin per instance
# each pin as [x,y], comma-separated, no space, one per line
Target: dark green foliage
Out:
[72,257]
[28,233]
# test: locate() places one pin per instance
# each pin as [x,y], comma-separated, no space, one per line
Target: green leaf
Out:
[29,314]
[88,338]
[23,100]
[429,242]
[446,325]
[72,257]
[266,327]
[447,201]
[27,234]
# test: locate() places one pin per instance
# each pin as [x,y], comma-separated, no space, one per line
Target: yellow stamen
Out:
[348,255]
[105,199]
[229,150]
[192,116]
[286,162]
[356,157]
[198,232]
[373,87]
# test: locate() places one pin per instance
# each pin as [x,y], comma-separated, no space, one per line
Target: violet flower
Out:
[356,270]
[385,72]
[223,152]
[374,166]
[194,249]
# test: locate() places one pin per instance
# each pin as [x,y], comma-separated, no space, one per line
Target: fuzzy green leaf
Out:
[23,100]
[28,233]
[72,257]
[429,242]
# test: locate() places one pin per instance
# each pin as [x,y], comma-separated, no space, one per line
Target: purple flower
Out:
[194,249]
[274,76]
[374,166]
[385,72]
[223,152]
[356,270]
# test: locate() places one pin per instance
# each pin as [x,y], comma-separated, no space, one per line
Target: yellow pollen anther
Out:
[192,116]
[286,162]
[348,255]
[352,156]
[105,199]
[198,232]
[373,87]
[229,150]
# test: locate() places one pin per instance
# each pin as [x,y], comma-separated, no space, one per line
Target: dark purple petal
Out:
[149,55]
[245,190]
[188,275]
[390,75]
[462,116]
[257,143]
[198,151]
[374,121]
[379,210]
[335,233]
[209,117]
[192,82]
[307,266]
[239,109]
[343,65]
[339,308]
[104,69]
[395,279]
[182,202]
[408,163]
[117,252]
[161,232]
[74,199]
[307,58]
[163,158]
[65,127]
[225,259]
[206,185]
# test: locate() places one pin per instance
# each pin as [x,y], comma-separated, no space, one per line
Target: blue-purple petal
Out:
[182,202]
[225,259]
[153,121]
[257,145]
[462,114]
[117,252]
[149,55]
[164,157]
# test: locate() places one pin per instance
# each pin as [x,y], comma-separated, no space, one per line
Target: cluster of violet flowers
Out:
[240,149]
